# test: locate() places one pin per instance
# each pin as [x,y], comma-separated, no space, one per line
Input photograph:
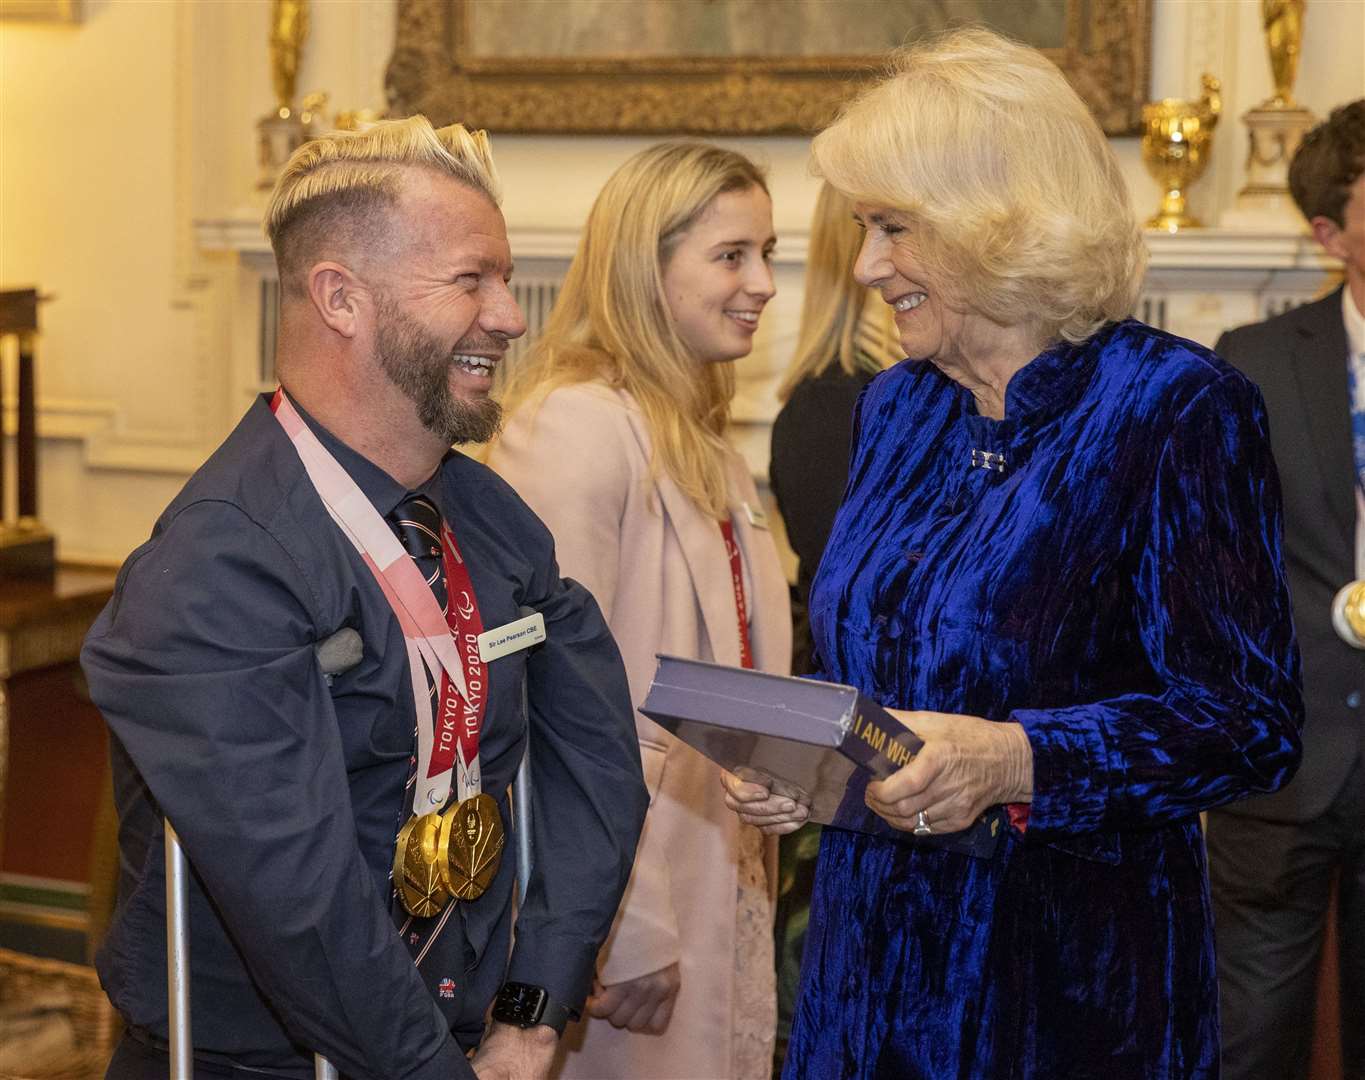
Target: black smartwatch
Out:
[523,1005]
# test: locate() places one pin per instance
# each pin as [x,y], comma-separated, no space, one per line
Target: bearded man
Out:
[349,896]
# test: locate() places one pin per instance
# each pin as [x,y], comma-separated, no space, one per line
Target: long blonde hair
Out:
[611,320]
[842,322]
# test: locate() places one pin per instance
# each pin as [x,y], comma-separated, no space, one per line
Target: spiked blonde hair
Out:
[335,188]
[611,320]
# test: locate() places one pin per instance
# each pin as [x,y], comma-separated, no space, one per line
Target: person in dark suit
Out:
[338,503]
[1272,858]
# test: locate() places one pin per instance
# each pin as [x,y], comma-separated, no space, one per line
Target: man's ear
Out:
[1328,233]
[335,293]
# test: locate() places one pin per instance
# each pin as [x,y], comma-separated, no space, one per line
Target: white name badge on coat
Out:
[757,516]
[512,637]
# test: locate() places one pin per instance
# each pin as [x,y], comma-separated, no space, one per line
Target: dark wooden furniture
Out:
[53,755]
[57,829]
[26,548]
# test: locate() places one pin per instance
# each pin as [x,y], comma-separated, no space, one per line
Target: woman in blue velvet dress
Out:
[1058,559]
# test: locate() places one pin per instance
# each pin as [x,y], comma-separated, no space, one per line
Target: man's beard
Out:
[419,365]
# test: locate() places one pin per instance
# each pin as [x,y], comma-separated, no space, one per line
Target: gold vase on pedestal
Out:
[1176,141]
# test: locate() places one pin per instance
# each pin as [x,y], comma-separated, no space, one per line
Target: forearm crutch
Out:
[521,791]
[178,967]
[340,652]
[521,807]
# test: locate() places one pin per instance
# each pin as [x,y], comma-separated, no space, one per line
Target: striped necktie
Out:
[417,523]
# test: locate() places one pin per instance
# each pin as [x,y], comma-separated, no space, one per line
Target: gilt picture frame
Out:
[722,67]
[42,11]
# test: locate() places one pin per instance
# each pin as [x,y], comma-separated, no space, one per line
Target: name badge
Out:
[758,518]
[511,637]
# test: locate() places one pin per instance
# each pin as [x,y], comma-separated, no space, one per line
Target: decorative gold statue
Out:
[285,130]
[288,32]
[1283,20]
[1275,128]
[1175,148]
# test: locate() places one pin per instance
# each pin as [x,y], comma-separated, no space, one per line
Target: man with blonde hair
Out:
[322,803]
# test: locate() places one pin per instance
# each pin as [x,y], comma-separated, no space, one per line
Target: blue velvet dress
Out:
[1119,591]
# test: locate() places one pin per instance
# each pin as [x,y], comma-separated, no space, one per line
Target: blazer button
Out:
[1353,699]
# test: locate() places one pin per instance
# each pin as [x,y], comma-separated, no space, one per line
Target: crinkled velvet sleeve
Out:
[1212,607]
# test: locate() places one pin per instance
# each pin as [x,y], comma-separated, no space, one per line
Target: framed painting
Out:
[723,67]
[60,11]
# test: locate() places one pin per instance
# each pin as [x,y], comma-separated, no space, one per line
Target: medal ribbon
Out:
[461,711]
[727,530]
[429,636]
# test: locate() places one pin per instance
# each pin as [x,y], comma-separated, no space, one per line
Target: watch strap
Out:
[525,1005]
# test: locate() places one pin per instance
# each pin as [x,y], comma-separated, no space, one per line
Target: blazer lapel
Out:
[703,549]
[1319,360]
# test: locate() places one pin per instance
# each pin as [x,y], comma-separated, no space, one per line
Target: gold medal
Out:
[470,846]
[417,870]
[400,849]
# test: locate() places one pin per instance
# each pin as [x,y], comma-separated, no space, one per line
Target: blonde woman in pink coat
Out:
[616,437]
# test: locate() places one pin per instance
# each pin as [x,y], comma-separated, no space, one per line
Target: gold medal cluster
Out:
[454,854]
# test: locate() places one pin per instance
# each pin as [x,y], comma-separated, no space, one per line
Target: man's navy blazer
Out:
[287,793]
[1298,359]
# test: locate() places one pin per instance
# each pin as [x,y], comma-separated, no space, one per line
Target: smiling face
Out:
[929,324]
[443,311]
[717,276]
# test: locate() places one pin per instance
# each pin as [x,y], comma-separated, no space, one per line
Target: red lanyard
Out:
[746,654]
[460,720]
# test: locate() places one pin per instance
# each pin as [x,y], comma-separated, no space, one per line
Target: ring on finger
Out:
[922,824]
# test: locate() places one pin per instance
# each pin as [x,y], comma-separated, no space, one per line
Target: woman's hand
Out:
[753,800]
[643,1004]
[965,765]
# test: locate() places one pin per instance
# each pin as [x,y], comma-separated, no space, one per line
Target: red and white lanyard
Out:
[746,654]
[444,643]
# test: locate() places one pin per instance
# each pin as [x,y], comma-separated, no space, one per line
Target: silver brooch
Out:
[985,459]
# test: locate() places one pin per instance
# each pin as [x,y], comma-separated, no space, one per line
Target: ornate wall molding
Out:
[109,441]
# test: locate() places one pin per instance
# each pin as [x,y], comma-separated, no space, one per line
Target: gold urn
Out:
[1176,142]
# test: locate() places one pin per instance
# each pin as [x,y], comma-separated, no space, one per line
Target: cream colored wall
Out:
[118,133]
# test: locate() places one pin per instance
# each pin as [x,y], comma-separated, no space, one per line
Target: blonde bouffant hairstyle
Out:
[1011,193]
[336,189]
[842,322]
[611,320]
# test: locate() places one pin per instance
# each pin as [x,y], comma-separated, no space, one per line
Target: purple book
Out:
[817,743]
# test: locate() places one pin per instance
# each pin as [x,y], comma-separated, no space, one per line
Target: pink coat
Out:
[659,569]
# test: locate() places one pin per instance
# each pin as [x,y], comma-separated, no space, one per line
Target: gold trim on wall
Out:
[1107,58]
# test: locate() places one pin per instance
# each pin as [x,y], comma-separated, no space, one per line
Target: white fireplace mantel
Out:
[1192,250]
